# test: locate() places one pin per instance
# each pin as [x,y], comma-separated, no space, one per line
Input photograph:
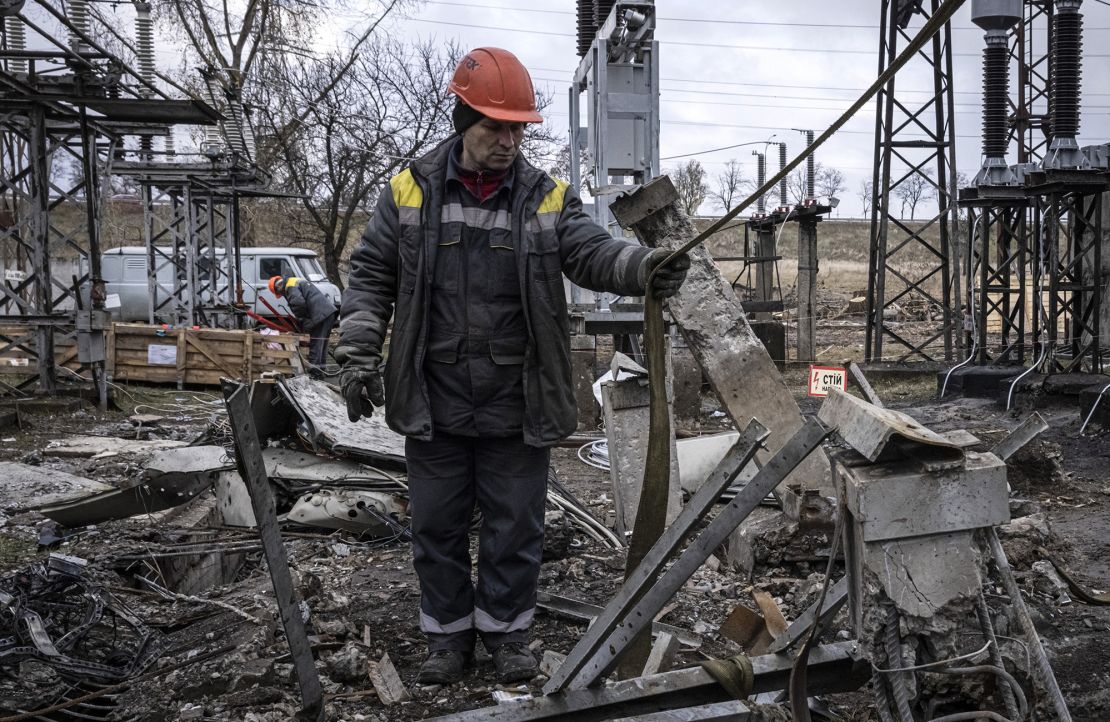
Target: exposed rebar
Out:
[892,643]
[984,614]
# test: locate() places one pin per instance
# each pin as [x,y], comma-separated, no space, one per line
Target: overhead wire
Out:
[696,44]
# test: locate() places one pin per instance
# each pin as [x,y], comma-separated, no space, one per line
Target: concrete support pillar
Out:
[807,289]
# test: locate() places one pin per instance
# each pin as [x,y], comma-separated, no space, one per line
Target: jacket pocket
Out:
[449,260]
[502,279]
[507,351]
[443,350]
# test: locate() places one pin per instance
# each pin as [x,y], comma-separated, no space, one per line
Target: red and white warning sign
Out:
[823,378]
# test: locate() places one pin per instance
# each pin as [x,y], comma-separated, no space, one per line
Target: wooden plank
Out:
[181,352]
[201,346]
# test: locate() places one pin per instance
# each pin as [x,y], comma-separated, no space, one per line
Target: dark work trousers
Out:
[508,481]
[318,341]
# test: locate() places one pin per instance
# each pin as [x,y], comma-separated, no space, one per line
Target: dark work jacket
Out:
[391,276]
[477,333]
[308,303]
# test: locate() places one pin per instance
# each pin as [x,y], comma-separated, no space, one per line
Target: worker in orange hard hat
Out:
[315,312]
[466,253]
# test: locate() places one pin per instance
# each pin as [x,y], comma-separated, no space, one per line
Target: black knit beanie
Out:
[464,116]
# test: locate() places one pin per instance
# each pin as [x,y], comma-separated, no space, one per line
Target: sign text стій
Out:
[823,378]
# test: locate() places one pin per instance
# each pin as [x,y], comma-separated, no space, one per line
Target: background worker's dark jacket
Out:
[394,263]
[308,303]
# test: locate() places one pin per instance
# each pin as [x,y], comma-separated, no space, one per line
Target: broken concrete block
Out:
[661,658]
[233,501]
[100,447]
[26,487]
[626,410]
[173,477]
[387,683]
[325,415]
[551,661]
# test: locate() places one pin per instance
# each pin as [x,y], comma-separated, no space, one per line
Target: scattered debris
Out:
[387,683]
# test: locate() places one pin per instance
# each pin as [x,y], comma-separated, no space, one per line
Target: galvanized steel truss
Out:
[914,144]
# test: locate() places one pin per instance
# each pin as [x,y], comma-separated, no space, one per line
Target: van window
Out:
[269,266]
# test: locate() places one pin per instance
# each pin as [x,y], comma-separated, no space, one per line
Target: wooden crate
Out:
[138,352]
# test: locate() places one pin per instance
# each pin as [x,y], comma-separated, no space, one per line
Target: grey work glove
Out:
[361,382]
[669,278]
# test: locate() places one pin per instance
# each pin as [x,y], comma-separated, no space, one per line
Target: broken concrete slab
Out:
[26,487]
[233,501]
[868,429]
[292,465]
[325,416]
[387,683]
[699,456]
[172,477]
[626,410]
[717,331]
[100,447]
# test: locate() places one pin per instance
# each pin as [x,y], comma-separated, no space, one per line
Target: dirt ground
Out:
[363,595]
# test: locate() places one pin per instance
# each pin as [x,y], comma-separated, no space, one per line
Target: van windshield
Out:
[310,268]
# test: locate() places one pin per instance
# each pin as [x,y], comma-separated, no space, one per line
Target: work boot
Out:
[514,663]
[443,666]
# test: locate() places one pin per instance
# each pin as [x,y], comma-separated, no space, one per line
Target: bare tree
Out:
[689,181]
[911,190]
[337,148]
[830,182]
[728,185]
[560,166]
[866,193]
[797,181]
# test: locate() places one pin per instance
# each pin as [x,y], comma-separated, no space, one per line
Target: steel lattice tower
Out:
[914,145]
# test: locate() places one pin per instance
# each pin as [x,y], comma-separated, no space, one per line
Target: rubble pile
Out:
[181,605]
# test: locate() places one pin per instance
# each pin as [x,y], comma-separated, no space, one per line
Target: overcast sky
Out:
[736,72]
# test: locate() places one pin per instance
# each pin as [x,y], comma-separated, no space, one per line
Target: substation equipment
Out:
[1035,229]
[614,128]
[78,124]
[1012,270]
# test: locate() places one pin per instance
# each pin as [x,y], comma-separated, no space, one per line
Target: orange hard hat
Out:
[497,85]
[274,282]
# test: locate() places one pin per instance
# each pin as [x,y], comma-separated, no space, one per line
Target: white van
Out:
[125,274]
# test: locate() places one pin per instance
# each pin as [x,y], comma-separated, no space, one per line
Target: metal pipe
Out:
[1047,677]
[984,614]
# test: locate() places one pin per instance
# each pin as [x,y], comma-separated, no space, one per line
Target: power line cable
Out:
[755,48]
[706,21]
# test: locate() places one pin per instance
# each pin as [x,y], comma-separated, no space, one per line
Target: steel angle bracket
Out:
[252,467]
[646,592]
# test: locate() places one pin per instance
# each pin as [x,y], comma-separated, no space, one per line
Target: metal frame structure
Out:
[619,74]
[1035,243]
[903,156]
[66,116]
